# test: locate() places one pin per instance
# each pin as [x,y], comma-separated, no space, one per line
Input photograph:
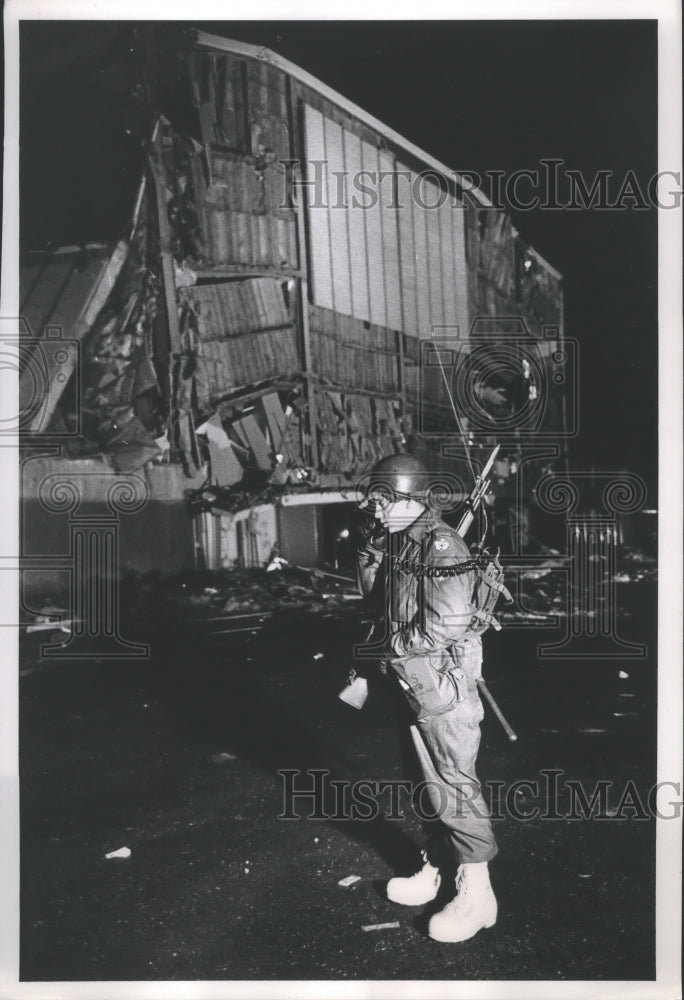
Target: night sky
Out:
[479,96]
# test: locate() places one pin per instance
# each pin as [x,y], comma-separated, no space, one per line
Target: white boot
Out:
[418,889]
[473,908]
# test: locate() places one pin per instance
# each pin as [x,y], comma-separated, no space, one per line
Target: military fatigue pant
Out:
[446,737]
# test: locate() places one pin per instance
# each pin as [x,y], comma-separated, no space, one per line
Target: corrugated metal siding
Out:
[223,365]
[383,257]
[390,239]
[354,236]
[433,264]
[374,248]
[339,231]
[461,270]
[55,292]
[351,353]
[540,293]
[356,225]
[238,179]
[245,335]
[492,255]
[318,216]
[235,307]
[240,103]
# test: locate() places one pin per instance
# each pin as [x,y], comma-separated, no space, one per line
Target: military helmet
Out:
[396,476]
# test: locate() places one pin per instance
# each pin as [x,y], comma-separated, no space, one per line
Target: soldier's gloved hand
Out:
[371,532]
[368,556]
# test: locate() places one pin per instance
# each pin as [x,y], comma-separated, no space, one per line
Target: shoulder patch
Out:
[442,543]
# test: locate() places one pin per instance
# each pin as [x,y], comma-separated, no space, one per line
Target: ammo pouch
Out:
[434,683]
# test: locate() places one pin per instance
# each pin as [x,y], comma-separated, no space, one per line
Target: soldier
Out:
[433,646]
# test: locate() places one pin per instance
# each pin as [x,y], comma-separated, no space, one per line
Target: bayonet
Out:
[477,495]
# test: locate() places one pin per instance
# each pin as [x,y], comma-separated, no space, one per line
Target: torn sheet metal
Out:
[226,469]
[275,419]
[121,382]
[61,298]
[249,431]
[187,443]
[355,430]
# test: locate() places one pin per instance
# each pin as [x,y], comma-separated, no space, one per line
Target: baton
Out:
[489,697]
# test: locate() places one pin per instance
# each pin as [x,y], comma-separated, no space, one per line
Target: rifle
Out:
[472,503]
[477,495]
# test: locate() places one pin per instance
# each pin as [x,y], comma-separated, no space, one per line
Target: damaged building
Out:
[267,326]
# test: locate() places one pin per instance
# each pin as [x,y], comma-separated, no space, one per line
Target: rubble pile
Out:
[635,566]
[239,592]
[539,592]
[544,591]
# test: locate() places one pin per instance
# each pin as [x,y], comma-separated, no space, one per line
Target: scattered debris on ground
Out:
[349,880]
[122,852]
[212,594]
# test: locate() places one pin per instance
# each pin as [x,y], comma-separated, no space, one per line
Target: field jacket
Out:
[424,611]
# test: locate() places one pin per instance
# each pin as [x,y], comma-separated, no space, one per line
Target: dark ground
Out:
[217,887]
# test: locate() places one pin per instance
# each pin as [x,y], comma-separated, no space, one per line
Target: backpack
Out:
[489,587]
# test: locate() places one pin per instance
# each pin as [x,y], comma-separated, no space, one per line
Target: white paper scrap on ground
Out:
[349,880]
[122,852]
[391,926]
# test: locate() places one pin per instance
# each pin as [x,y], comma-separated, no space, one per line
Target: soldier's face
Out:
[397,515]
